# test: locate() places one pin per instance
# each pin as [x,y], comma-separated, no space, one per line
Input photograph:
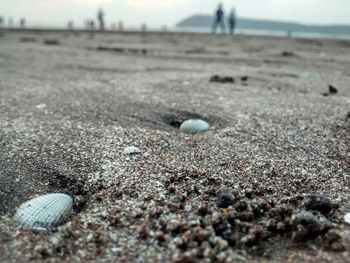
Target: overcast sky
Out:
[168,12]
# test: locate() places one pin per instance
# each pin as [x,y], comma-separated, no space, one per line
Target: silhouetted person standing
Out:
[10,22]
[232,21]
[100,16]
[22,22]
[219,19]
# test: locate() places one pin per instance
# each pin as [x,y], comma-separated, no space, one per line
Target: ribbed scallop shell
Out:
[45,211]
[194,126]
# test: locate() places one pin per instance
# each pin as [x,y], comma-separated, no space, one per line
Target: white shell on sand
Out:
[194,126]
[131,150]
[347,218]
[45,211]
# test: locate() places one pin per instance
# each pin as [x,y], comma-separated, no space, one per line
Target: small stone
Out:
[287,54]
[244,78]
[222,79]
[225,197]
[319,203]
[41,106]
[51,42]
[41,250]
[332,89]
[306,225]
[194,126]
[347,218]
[131,150]
[202,209]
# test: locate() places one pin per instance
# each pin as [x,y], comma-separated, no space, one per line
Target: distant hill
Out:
[206,21]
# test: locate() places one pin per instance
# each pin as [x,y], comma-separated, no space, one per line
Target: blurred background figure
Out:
[10,22]
[2,21]
[91,24]
[100,17]
[70,25]
[144,27]
[219,19]
[164,28]
[22,22]
[120,26]
[232,21]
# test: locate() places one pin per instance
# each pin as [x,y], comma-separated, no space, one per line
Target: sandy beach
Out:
[70,102]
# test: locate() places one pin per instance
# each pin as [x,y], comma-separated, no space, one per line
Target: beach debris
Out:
[225,197]
[331,90]
[347,218]
[136,51]
[222,79]
[194,126]
[319,203]
[45,211]
[27,39]
[53,42]
[131,150]
[244,78]
[287,54]
[41,106]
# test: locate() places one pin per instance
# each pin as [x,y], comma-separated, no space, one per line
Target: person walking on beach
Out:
[232,21]
[219,19]
[100,16]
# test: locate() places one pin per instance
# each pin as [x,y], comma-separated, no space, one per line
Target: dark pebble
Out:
[332,89]
[222,79]
[287,54]
[202,210]
[226,231]
[306,225]
[319,203]
[244,78]
[225,197]
[53,42]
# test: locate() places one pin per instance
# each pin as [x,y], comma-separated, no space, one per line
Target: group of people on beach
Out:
[219,20]
[90,23]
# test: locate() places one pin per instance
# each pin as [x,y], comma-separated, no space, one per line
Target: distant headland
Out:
[205,21]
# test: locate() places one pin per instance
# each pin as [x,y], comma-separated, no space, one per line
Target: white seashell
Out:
[45,211]
[347,218]
[194,126]
[131,150]
[41,106]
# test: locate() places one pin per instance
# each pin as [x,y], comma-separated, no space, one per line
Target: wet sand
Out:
[71,102]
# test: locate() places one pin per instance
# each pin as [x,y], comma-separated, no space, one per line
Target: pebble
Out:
[319,203]
[130,150]
[225,197]
[44,212]
[194,126]
[41,106]
[310,223]
[347,218]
